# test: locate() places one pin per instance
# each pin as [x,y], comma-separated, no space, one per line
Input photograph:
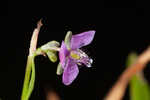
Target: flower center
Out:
[81,57]
[74,55]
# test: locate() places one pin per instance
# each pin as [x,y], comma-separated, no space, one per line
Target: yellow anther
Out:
[74,56]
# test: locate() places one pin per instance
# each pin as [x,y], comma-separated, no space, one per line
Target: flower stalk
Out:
[30,68]
[26,88]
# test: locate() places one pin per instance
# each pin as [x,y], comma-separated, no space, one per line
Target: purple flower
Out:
[70,58]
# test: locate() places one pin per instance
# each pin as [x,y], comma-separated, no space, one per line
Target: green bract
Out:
[52,45]
[50,49]
[68,39]
[59,69]
[52,55]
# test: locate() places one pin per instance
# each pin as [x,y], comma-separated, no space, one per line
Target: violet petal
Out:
[63,53]
[70,72]
[82,39]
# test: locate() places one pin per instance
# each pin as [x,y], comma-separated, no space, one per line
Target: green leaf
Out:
[68,39]
[59,69]
[139,88]
[52,55]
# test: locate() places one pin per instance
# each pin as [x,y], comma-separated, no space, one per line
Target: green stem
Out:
[30,67]
[27,78]
[32,80]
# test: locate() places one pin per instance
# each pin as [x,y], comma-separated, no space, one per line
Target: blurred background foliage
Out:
[139,87]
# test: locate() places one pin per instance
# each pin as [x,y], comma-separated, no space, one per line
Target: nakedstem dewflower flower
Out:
[71,55]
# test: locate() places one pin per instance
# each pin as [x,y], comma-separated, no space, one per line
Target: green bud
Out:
[59,69]
[52,45]
[52,55]
[68,39]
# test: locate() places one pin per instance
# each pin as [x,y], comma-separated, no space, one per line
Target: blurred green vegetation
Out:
[139,87]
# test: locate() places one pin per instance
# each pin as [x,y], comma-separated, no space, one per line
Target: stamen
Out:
[81,58]
[74,55]
[89,63]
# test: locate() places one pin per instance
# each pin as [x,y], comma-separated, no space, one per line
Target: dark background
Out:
[121,27]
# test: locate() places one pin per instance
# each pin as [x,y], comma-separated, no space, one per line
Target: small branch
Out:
[118,90]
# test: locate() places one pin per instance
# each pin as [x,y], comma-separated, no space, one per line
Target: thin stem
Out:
[32,80]
[118,90]
[29,78]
